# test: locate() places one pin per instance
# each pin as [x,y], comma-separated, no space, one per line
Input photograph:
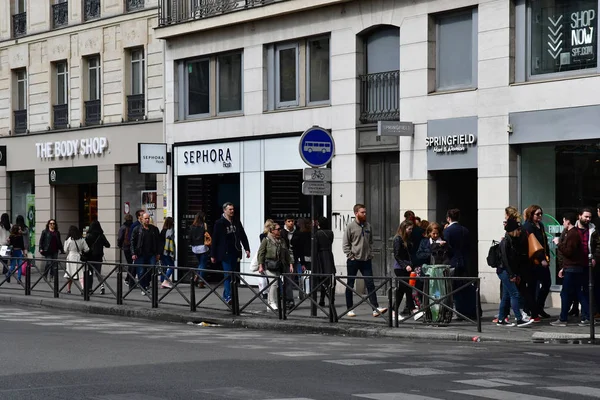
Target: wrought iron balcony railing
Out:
[20,121]
[60,15]
[92,112]
[380,97]
[177,11]
[19,24]
[61,116]
[136,107]
[132,5]
[91,9]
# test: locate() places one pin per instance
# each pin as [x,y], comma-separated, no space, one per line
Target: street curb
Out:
[253,322]
[539,337]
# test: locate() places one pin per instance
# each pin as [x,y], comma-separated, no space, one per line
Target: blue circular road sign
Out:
[316,147]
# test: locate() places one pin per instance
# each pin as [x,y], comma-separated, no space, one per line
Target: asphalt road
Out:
[49,355]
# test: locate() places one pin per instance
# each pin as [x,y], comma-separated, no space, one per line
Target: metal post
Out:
[192,294]
[56,283]
[86,282]
[591,300]
[333,310]
[279,287]
[283,306]
[28,278]
[154,288]
[313,257]
[390,299]
[120,284]
[233,292]
[478,303]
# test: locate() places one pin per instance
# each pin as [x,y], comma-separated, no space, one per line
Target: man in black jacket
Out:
[227,241]
[145,250]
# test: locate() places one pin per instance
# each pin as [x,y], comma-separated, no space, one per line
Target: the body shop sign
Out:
[208,159]
[71,148]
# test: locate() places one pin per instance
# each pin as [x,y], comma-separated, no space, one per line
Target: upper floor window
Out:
[132,5]
[60,13]
[563,36]
[19,18]
[60,109]
[91,9]
[93,105]
[456,50]
[290,64]
[213,85]
[20,101]
[136,101]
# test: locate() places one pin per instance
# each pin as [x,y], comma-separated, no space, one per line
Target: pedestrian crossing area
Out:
[445,372]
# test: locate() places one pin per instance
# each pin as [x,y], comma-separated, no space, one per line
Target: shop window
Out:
[456,50]
[308,61]
[229,88]
[563,36]
[138,191]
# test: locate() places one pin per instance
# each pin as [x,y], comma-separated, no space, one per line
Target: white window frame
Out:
[308,44]
[20,6]
[21,80]
[218,86]
[474,50]
[138,62]
[65,88]
[94,71]
[186,89]
[278,49]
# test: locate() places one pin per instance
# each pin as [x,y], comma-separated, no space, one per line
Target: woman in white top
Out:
[74,246]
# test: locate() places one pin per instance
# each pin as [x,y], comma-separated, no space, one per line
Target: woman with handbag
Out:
[273,256]
[539,262]
[75,245]
[200,241]
[96,241]
[50,245]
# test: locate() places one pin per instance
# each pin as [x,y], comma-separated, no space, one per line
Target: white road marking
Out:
[352,362]
[500,394]
[394,396]
[573,390]
[298,354]
[420,371]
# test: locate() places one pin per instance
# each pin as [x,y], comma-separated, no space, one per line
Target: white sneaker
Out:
[418,315]
[351,314]
[400,317]
[524,316]
[272,306]
[379,311]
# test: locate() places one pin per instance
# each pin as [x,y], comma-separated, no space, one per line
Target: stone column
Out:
[109,209]
[44,204]
[5,193]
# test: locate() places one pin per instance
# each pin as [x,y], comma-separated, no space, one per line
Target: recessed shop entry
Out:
[458,189]
[75,194]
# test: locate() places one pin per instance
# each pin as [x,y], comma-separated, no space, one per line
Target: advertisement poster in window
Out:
[149,204]
[30,220]
[564,36]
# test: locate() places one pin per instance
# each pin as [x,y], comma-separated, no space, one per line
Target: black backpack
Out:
[494,258]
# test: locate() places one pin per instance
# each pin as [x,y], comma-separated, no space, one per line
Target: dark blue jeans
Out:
[575,286]
[166,261]
[510,296]
[366,269]
[202,261]
[229,263]
[144,273]
[16,262]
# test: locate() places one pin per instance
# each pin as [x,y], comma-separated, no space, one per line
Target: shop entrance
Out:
[88,205]
[458,189]
[75,196]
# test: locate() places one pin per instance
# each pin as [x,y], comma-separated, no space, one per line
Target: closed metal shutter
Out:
[283,195]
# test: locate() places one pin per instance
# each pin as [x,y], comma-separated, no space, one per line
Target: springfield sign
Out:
[450,143]
[71,148]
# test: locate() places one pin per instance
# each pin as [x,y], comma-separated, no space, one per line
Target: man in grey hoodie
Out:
[357,243]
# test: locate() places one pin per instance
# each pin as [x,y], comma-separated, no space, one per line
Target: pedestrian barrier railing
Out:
[40,274]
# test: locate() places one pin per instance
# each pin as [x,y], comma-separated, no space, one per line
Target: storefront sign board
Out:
[152,158]
[395,128]
[2,156]
[451,143]
[71,148]
[205,159]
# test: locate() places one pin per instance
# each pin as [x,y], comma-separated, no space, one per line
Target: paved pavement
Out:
[50,354]
[175,305]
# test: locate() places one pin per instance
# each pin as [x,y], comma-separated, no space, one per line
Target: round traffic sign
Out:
[316,147]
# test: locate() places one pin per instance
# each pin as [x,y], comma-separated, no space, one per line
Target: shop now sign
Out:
[71,148]
[450,143]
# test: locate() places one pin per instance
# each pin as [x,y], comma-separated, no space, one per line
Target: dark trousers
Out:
[366,270]
[542,286]
[575,285]
[94,267]
[131,269]
[402,290]
[50,264]
[144,273]
[527,296]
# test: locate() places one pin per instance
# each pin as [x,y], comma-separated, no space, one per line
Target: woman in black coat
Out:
[96,241]
[325,263]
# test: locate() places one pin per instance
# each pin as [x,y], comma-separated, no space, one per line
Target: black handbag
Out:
[83,255]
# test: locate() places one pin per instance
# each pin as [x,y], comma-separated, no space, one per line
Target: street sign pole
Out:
[317,148]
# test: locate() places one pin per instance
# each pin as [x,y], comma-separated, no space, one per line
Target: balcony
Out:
[20,121]
[91,9]
[136,107]
[133,5]
[60,15]
[92,112]
[380,97]
[177,11]
[19,25]
[61,116]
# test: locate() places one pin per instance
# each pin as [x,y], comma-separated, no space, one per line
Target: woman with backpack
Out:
[200,240]
[96,241]
[167,258]
[74,246]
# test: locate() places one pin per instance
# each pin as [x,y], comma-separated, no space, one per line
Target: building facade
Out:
[502,95]
[81,84]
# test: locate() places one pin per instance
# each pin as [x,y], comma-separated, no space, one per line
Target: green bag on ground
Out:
[437,288]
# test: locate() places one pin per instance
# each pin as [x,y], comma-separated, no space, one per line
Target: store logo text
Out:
[205,156]
[450,143]
[70,148]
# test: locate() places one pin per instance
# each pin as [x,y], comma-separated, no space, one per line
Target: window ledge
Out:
[296,108]
[441,92]
[557,79]
[210,117]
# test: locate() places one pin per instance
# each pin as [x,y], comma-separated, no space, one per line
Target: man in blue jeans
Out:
[357,245]
[145,250]
[227,241]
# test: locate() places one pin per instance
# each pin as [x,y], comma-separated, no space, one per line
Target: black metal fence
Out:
[122,282]
[136,107]
[19,24]
[60,15]
[91,9]
[92,112]
[61,115]
[380,97]
[20,121]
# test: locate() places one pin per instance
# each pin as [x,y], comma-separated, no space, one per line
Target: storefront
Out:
[559,163]
[80,176]
[452,164]
[261,177]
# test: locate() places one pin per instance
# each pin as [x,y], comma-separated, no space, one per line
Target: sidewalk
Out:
[174,307]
